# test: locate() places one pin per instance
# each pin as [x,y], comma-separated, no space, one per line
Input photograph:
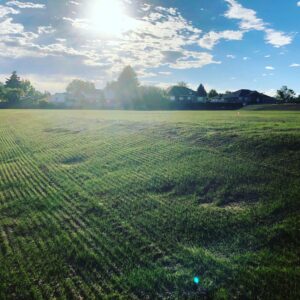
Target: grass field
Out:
[133,205]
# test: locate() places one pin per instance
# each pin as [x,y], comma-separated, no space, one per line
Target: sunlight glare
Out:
[109,17]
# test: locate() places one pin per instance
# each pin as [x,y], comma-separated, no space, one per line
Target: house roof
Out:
[248,94]
[179,91]
[239,93]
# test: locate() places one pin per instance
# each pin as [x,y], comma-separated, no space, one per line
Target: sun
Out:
[109,17]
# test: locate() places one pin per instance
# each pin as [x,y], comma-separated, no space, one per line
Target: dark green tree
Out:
[152,97]
[212,93]
[14,81]
[286,95]
[13,95]
[2,92]
[201,92]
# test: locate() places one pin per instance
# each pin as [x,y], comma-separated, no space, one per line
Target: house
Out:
[217,99]
[201,94]
[58,98]
[247,97]
[182,94]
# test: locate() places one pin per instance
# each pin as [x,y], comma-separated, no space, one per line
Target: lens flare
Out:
[109,17]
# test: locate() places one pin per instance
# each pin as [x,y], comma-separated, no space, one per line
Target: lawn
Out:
[134,205]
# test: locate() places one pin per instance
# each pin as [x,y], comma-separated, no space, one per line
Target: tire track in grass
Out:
[124,179]
[32,189]
[23,195]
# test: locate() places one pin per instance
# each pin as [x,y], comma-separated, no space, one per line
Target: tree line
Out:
[127,92]
[16,90]
[124,93]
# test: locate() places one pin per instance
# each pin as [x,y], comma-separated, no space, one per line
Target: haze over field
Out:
[225,44]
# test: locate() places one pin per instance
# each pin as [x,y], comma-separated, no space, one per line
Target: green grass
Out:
[133,205]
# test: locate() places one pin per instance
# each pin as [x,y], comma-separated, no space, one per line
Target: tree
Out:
[27,88]
[201,92]
[13,82]
[79,89]
[128,78]
[152,97]
[13,95]
[2,92]
[286,95]
[212,93]
[127,87]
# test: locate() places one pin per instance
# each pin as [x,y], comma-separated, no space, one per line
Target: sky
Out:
[224,44]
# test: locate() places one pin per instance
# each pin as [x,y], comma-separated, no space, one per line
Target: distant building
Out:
[58,98]
[201,94]
[247,97]
[217,99]
[182,94]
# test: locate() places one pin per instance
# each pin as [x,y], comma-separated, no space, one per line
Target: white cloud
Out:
[267,74]
[249,21]
[79,23]
[248,17]
[144,74]
[209,40]
[245,58]
[267,56]
[298,3]
[193,59]
[295,65]
[45,29]
[165,73]
[270,92]
[51,84]
[146,46]
[269,68]
[8,27]
[277,38]
[20,4]
[162,85]
[230,56]
[74,2]
[4,11]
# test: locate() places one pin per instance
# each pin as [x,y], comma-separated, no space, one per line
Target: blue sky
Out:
[224,44]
